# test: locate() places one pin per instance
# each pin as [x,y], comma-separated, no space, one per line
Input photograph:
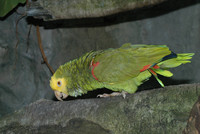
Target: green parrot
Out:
[121,70]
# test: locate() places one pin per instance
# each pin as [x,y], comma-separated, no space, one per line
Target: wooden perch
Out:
[76,9]
[165,110]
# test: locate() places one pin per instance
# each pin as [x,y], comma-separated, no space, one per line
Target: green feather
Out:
[162,72]
[159,81]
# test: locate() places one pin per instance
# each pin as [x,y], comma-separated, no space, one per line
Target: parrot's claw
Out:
[60,96]
[123,94]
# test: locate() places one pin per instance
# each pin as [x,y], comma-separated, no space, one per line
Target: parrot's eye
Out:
[59,83]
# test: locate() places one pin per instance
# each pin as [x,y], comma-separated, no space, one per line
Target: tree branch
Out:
[42,51]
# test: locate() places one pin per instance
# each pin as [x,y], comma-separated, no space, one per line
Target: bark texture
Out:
[163,110]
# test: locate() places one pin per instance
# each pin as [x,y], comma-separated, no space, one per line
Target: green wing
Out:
[124,63]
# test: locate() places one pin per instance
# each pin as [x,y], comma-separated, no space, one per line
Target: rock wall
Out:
[23,79]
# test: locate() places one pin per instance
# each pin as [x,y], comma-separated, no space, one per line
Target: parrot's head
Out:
[58,83]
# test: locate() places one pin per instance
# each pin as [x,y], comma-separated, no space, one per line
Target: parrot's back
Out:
[117,65]
[129,66]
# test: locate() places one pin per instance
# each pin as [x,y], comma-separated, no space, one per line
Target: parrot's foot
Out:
[60,96]
[123,94]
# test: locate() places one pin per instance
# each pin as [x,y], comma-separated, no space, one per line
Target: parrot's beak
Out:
[60,96]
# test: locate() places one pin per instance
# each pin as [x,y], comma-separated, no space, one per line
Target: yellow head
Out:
[59,87]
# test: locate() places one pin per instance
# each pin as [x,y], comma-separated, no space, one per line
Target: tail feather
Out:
[174,62]
[155,75]
[166,64]
[162,72]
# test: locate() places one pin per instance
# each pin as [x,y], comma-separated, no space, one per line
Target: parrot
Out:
[121,70]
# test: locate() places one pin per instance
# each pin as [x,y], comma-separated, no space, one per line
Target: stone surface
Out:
[67,9]
[193,124]
[155,111]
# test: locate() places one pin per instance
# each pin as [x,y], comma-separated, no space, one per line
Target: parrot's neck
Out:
[81,80]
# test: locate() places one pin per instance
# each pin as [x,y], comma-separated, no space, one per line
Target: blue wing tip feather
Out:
[170,56]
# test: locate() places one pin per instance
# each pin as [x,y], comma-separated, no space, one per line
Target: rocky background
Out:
[23,79]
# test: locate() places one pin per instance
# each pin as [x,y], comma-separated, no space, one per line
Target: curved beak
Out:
[60,96]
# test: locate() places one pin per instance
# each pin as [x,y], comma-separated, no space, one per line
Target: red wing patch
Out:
[156,67]
[154,73]
[145,68]
[149,66]
[93,65]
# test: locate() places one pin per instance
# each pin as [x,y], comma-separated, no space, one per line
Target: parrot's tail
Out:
[174,62]
[170,61]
